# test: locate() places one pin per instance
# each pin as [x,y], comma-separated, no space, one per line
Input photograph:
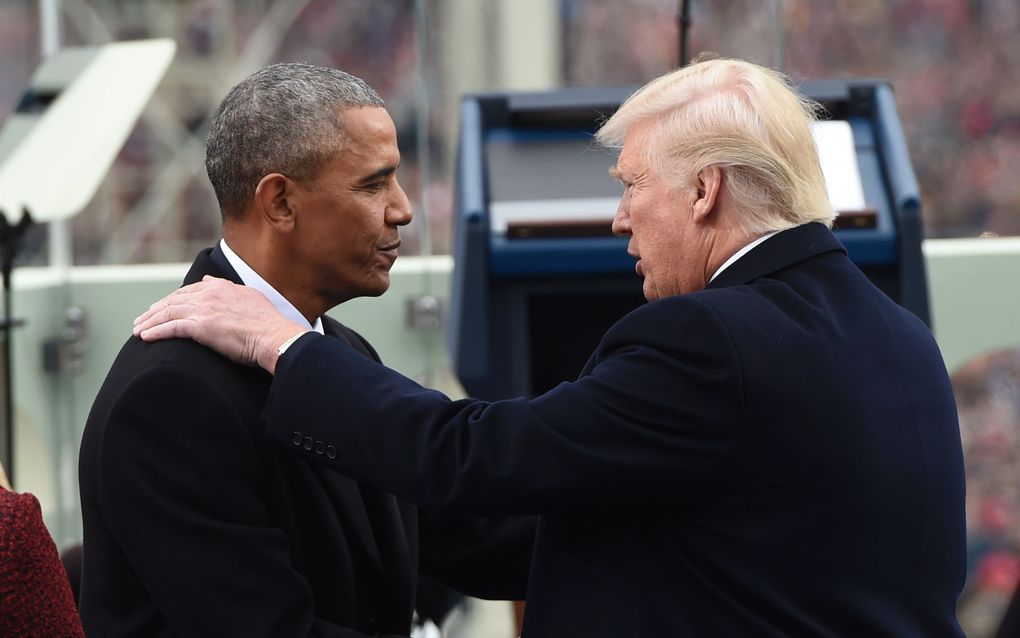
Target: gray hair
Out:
[283,118]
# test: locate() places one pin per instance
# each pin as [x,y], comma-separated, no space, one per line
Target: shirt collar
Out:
[253,280]
[743,251]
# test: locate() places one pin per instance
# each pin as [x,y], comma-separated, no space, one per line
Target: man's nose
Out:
[621,222]
[399,212]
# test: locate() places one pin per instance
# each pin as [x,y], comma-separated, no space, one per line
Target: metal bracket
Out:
[425,313]
[65,354]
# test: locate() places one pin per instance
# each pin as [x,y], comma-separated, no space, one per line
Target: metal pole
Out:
[423,150]
[49,26]
[422,125]
[10,239]
[780,33]
[683,23]
[8,328]
[49,37]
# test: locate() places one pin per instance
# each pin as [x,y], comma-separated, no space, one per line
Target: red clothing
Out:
[35,595]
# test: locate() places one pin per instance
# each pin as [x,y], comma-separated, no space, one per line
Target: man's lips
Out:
[637,266]
[390,249]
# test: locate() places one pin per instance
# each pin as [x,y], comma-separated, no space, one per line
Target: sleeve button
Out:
[331,452]
[296,438]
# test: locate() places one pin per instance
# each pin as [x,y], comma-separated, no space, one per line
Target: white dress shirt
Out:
[253,280]
[740,253]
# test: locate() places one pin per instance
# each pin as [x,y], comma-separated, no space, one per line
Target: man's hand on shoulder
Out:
[238,322]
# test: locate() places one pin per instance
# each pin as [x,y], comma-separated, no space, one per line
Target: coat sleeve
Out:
[181,487]
[658,412]
[35,594]
[482,557]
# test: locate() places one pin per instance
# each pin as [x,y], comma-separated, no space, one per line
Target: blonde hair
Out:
[744,119]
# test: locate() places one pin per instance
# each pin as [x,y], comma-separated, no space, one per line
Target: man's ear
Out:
[709,182]
[274,201]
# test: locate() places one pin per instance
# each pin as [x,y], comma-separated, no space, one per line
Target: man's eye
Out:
[375,186]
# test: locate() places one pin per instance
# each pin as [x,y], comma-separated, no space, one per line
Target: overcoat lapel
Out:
[345,493]
[211,261]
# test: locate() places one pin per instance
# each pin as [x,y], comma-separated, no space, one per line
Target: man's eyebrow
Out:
[385,171]
[614,172]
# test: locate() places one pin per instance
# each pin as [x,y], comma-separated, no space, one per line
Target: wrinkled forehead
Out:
[638,145]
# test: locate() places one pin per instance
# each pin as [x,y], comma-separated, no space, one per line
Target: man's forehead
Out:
[369,138]
[637,144]
[368,118]
[639,137]
[630,158]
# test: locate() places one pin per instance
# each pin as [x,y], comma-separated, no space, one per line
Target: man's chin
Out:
[338,297]
[649,290]
[377,287]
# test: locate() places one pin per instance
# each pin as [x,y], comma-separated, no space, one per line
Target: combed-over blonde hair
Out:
[746,120]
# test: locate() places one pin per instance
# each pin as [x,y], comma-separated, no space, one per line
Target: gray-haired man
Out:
[194,524]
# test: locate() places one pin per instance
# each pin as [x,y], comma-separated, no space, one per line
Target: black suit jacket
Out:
[195,526]
[776,455]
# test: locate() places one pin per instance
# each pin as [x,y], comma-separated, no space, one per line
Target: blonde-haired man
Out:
[768,448]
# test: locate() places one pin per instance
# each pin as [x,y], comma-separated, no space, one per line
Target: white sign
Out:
[57,165]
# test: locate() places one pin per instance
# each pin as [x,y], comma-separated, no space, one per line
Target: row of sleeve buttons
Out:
[300,440]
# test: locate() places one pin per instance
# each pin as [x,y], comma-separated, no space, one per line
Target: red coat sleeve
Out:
[35,594]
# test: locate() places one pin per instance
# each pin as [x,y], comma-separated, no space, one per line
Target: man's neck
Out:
[251,276]
[749,245]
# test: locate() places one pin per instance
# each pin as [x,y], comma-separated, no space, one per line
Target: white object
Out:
[835,143]
[575,209]
[52,161]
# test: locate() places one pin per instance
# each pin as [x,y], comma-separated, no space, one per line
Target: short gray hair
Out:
[284,118]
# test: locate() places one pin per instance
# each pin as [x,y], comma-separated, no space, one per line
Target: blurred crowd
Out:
[950,62]
[987,393]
